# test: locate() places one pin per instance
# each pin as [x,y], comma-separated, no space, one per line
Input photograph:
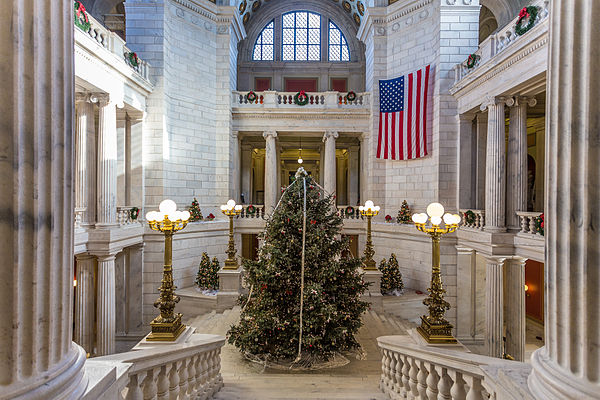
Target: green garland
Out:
[301,98]
[80,16]
[527,12]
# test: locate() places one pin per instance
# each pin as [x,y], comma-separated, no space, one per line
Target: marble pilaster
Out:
[329,169]
[495,169]
[84,302]
[516,165]
[271,170]
[494,301]
[353,175]
[85,160]
[568,366]
[466,295]
[481,127]
[514,305]
[246,173]
[105,308]
[38,359]
[466,185]
[107,163]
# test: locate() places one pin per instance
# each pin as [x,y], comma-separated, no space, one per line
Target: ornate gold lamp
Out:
[369,210]
[231,210]
[434,328]
[167,326]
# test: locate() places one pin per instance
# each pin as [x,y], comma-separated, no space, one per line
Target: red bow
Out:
[523,13]
[302,94]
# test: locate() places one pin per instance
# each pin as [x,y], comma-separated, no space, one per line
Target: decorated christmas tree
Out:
[404,216]
[391,278]
[208,277]
[195,213]
[318,312]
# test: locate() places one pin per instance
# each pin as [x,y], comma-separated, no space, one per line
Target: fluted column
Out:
[353,175]
[515,308]
[568,366]
[481,124]
[271,170]
[495,172]
[85,160]
[329,169]
[38,359]
[107,163]
[84,302]
[516,165]
[105,309]
[494,310]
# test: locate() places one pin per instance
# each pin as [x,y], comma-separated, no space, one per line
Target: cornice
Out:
[406,9]
[203,7]
[386,15]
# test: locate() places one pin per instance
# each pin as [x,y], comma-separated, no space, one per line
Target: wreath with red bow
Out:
[301,98]
[133,59]
[473,58]
[351,96]
[251,96]
[81,19]
[527,13]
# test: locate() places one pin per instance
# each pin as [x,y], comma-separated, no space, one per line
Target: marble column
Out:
[107,163]
[495,171]
[466,185]
[271,171]
[127,161]
[516,165]
[515,308]
[38,359]
[568,366]
[353,175]
[481,125]
[84,302]
[329,169]
[105,308]
[494,311]
[85,160]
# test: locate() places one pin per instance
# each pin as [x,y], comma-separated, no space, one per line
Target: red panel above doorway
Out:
[298,84]
[261,84]
[339,84]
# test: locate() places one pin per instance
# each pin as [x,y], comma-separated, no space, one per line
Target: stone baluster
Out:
[412,374]
[162,385]
[37,356]
[174,381]
[107,163]
[105,309]
[568,366]
[433,380]
[271,170]
[85,164]
[524,223]
[183,377]
[444,384]
[134,391]
[422,379]
[149,385]
[385,362]
[457,391]
[494,317]
[199,374]
[191,374]
[398,373]
[516,166]
[495,177]
[329,169]
[531,224]
[84,302]
[475,388]
[405,376]
[515,308]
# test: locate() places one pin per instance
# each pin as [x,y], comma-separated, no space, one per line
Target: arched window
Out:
[338,46]
[263,48]
[301,36]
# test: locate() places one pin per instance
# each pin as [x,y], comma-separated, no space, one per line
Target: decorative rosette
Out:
[301,98]
[210,217]
[528,14]
[351,96]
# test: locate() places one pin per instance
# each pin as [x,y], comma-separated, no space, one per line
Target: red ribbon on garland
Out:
[523,13]
[81,9]
[302,94]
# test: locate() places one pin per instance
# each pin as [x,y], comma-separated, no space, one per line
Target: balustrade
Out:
[349,212]
[79,216]
[273,99]
[257,212]
[528,222]
[479,221]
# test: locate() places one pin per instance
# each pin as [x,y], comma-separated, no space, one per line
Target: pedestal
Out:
[456,345]
[230,285]
[182,338]
[373,292]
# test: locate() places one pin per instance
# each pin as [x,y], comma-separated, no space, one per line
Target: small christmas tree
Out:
[195,213]
[404,214]
[208,277]
[269,327]
[391,279]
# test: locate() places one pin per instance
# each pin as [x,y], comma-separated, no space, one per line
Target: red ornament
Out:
[312,221]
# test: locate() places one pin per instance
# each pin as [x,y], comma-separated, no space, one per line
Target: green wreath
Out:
[473,58]
[301,98]
[134,213]
[349,210]
[351,96]
[470,217]
[527,12]
[81,19]
[133,59]
[251,96]
[250,210]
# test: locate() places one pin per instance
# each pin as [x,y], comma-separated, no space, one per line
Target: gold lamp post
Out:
[369,210]
[231,210]
[167,326]
[434,328]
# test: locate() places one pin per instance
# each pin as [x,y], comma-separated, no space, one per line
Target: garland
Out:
[251,96]
[470,217]
[527,12]
[132,58]
[210,217]
[81,19]
[349,210]
[134,213]
[250,210]
[301,98]
[388,218]
[473,58]
[351,96]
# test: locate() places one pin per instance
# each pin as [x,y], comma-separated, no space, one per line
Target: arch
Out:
[301,36]
[264,46]
[487,23]
[504,10]
[337,44]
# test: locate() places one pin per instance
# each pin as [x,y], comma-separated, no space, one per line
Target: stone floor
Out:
[357,380]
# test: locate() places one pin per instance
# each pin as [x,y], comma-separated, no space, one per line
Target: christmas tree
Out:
[208,277]
[195,213]
[391,278]
[271,319]
[404,216]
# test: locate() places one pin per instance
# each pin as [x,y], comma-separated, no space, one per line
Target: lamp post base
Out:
[436,333]
[231,264]
[165,331]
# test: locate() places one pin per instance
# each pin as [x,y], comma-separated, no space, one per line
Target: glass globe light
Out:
[436,221]
[449,219]
[174,216]
[457,219]
[300,160]
[238,207]
[435,210]
[369,204]
[185,215]
[150,216]
[377,208]
[167,206]
[223,207]
[420,218]
[361,208]
[231,204]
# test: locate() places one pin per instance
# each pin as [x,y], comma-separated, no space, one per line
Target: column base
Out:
[436,333]
[549,381]
[165,331]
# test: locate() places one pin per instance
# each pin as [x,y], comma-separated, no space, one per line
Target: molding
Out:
[204,8]
[302,116]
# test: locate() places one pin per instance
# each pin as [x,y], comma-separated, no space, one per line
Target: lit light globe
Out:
[151,216]
[231,204]
[420,218]
[361,208]
[223,207]
[185,215]
[436,221]
[435,210]
[377,208]
[449,219]
[456,219]
[369,204]
[174,216]
[238,207]
[167,206]
[300,161]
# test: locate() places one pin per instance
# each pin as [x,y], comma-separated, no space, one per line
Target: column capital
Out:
[496,100]
[84,256]
[330,134]
[103,99]
[464,250]
[525,101]
[497,259]
[105,257]
[272,134]
[467,117]
[83,97]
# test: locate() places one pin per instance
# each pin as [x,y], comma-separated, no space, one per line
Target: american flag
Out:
[403,116]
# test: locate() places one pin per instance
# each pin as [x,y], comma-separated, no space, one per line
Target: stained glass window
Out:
[301,36]
[263,48]
[338,46]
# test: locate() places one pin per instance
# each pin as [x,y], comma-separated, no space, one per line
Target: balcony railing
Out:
[349,212]
[273,99]
[479,221]
[113,43]
[124,215]
[254,212]
[528,223]
[498,42]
